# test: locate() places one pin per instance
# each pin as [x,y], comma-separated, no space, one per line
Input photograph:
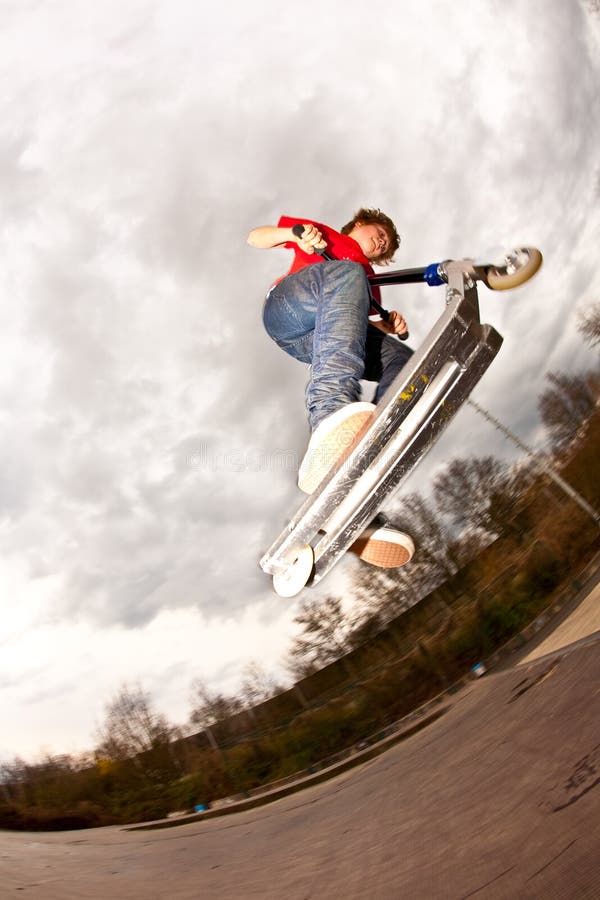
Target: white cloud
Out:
[146,416]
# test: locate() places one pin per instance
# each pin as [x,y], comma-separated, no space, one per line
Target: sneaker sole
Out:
[383,553]
[335,446]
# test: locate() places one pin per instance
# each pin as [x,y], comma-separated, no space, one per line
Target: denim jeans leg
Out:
[339,343]
[326,305]
[385,356]
[290,324]
[394,356]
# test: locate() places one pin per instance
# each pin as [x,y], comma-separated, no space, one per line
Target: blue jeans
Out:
[319,316]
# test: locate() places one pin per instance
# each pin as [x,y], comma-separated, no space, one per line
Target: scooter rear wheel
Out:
[520,266]
[296,576]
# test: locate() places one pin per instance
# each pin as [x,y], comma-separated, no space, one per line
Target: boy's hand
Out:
[396,324]
[311,239]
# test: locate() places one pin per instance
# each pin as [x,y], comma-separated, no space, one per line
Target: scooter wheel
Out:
[296,576]
[520,266]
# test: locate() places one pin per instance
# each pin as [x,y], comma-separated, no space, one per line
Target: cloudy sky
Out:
[143,408]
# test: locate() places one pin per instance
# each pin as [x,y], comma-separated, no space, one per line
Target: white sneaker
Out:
[383,546]
[331,440]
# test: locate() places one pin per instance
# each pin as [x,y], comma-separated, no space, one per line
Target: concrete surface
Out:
[581,621]
[499,798]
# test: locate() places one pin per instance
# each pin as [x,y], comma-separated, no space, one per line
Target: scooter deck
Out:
[408,420]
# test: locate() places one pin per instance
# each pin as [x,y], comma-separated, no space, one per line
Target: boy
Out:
[321,315]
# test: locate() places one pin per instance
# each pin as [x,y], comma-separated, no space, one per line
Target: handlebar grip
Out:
[298,230]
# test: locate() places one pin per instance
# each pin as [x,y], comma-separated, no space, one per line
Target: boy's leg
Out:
[290,325]
[329,301]
[382,544]
[323,308]
[326,305]
[385,357]
[339,339]
[293,319]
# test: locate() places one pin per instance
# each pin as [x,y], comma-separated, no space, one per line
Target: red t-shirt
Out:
[340,246]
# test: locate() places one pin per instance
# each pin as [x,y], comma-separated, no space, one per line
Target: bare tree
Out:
[324,637]
[257,684]
[433,560]
[13,778]
[210,706]
[470,491]
[47,782]
[589,324]
[383,594]
[567,404]
[132,727]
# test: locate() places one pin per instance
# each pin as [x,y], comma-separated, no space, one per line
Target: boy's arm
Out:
[266,236]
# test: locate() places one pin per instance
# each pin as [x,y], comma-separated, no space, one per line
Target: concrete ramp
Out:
[498,798]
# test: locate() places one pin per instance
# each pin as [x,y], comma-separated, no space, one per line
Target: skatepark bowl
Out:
[498,797]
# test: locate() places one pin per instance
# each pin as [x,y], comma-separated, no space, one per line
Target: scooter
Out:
[407,421]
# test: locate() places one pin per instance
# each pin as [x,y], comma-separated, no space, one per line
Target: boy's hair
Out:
[376,217]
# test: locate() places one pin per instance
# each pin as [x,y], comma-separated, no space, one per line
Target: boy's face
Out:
[372,238]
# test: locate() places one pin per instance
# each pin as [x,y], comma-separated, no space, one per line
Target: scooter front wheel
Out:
[520,265]
[297,575]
